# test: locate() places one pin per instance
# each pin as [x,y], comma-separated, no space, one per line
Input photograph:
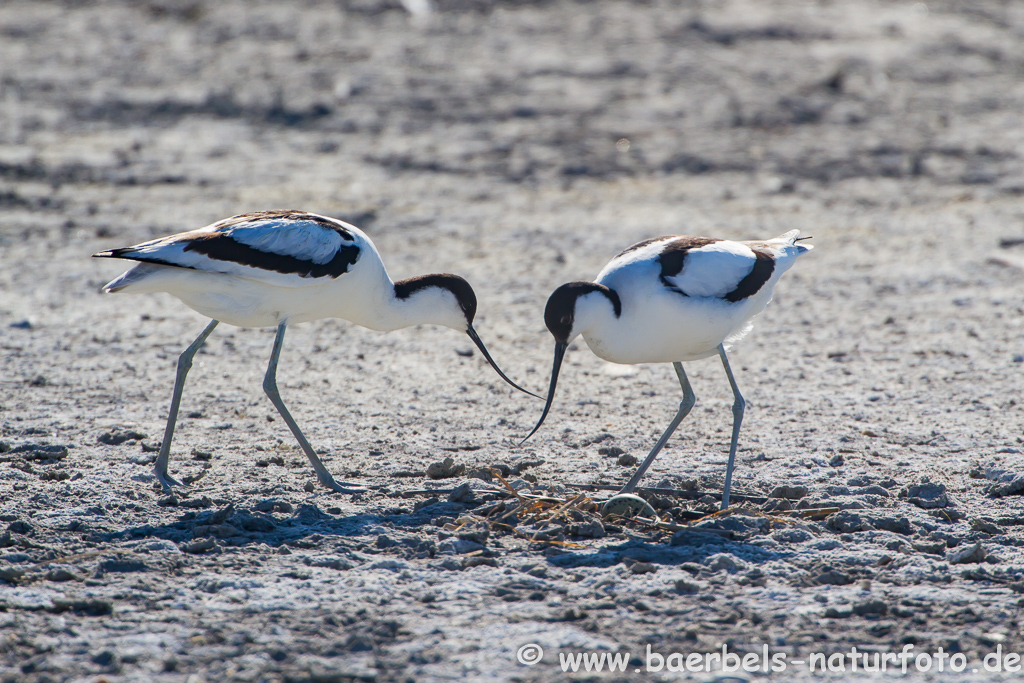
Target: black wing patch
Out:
[221,247]
[764,266]
[224,248]
[674,254]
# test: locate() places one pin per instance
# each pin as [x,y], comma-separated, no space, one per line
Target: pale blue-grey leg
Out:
[737,418]
[689,399]
[184,364]
[270,387]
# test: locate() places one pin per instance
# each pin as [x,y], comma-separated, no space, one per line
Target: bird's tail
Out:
[133,278]
[790,239]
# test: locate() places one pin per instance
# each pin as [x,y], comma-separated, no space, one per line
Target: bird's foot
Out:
[344,487]
[167,481]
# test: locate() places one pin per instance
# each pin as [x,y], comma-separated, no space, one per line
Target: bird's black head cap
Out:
[560,312]
[460,289]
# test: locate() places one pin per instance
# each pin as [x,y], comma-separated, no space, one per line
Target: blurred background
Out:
[111,109]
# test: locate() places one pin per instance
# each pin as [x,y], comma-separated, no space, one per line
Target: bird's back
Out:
[682,296]
[280,248]
[255,269]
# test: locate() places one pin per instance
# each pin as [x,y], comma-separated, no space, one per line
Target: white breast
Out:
[670,327]
[659,324]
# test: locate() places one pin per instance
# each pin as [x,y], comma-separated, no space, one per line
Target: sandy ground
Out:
[520,145]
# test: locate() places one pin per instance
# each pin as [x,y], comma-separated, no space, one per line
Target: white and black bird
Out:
[669,300]
[275,268]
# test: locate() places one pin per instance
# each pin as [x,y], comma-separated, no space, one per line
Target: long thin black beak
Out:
[483,349]
[560,348]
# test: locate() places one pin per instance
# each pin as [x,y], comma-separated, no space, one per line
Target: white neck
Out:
[431,306]
[593,311]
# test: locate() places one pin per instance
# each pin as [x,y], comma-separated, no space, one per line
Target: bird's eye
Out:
[566,320]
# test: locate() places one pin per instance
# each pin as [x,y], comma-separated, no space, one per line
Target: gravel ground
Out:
[520,144]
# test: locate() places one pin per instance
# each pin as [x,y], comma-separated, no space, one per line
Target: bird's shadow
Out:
[304,526]
[686,546]
[400,532]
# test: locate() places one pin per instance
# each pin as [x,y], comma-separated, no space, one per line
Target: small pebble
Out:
[927,495]
[199,546]
[724,561]
[445,469]
[969,554]
[789,492]
[687,586]
[118,435]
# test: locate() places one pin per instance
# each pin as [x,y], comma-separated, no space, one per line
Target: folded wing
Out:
[721,268]
[284,248]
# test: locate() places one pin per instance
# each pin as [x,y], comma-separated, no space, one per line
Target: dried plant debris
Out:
[545,517]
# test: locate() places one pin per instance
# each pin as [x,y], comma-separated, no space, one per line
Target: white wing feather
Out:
[305,240]
[714,270]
